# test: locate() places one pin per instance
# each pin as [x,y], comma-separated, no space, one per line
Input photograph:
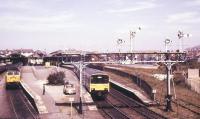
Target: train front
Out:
[99,85]
[13,78]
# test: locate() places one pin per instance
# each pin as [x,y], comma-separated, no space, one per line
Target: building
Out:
[193,79]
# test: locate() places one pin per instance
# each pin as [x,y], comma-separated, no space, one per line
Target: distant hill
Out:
[193,52]
[195,48]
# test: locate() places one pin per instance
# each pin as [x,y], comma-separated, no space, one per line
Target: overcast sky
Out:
[97,24]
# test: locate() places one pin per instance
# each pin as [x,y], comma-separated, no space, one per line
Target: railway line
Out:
[111,111]
[20,105]
[124,108]
[187,105]
[133,105]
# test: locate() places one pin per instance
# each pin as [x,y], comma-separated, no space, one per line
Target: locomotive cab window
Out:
[100,79]
[10,73]
[16,73]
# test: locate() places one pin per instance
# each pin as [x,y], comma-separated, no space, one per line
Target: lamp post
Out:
[167,42]
[168,65]
[132,36]
[119,43]
[80,84]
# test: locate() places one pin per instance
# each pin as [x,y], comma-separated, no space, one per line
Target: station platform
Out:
[137,93]
[54,104]
[127,84]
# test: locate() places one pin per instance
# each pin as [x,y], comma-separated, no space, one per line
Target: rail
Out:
[16,98]
[141,109]
[187,105]
[110,110]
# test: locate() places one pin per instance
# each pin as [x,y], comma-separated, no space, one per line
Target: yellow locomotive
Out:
[12,77]
[97,84]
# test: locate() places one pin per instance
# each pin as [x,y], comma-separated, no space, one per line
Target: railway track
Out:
[110,110]
[132,104]
[20,105]
[188,105]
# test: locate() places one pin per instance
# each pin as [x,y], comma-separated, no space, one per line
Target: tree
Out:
[56,78]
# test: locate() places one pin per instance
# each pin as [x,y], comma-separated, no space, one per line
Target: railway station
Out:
[128,95]
[108,59]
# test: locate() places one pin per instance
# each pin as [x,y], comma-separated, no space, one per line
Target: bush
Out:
[56,78]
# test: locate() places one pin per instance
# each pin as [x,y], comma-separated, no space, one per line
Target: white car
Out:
[69,89]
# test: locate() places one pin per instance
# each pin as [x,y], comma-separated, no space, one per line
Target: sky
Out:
[96,25]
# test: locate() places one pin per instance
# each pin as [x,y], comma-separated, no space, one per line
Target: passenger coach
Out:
[97,84]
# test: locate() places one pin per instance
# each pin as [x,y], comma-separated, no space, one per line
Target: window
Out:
[99,79]
[10,73]
[16,73]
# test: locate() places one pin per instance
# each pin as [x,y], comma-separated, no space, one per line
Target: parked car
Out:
[69,89]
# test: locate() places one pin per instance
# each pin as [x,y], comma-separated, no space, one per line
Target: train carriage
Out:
[97,84]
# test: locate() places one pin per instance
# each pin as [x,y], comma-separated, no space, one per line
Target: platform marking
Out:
[92,107]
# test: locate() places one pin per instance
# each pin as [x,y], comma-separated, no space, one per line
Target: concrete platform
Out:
[143,66]
[142,97]
[56,103]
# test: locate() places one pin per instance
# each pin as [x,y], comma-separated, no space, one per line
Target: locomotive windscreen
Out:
[13,72]
[100,79]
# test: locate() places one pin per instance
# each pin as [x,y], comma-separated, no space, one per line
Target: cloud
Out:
[193,2]
[16,5]
[37,15]
[138,7]
[60,22]
[185,17]
[115,2]
[31,7]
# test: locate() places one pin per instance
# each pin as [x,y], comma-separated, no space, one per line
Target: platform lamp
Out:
[168,65]
[168,97]
[119,43]
[167,42]
[80,83]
